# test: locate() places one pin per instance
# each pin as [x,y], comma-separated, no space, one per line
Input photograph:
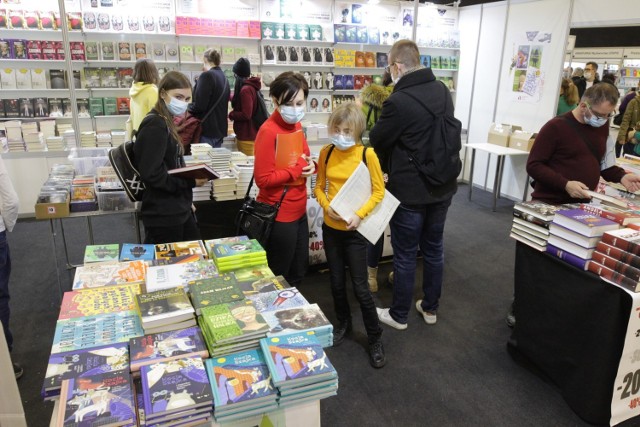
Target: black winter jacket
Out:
[167,199]
[405,126]
[210,87]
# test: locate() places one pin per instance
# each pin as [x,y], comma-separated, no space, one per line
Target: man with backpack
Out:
[420,140]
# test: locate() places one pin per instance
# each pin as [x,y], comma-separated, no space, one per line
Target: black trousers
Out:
[174,233]
[288,250]
[349,249]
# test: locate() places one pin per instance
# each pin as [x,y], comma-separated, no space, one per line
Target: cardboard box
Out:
[522,140]
[52,210]
[499,135]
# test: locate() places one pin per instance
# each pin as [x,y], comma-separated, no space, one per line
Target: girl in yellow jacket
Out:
[143,91]
[343,245]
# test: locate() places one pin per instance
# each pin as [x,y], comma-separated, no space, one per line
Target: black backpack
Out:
[123,162]
[261,114]
[440,163]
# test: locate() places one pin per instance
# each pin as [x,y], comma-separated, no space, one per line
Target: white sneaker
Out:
[430,317]
[385,317]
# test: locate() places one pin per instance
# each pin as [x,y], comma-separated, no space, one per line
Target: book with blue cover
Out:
[164,346]
[93,331]
[296,359]
[84,362]
[278,299]
[568,257]
[175,386]
[584,223]
[240,380]
[137,251]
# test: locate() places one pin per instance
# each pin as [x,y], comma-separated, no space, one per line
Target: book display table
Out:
[571,325]
[501,153]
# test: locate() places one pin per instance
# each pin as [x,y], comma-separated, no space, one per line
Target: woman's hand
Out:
[310,169]
[333,215]
[201,182]
[353,222]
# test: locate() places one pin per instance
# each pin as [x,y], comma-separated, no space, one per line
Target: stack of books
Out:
[101,253]
[103,139]
[69,136]
[243,173]
[617,257]
[118,137]
[531,223]
[214,290]
[231,256]
[88,139]
[232,327]
[224,188]
[55,143]
[33,141]
[175,391]
[574,234]
[48,128]
[299,368]
[241,384]
[300,319]
[164,346]
[220,159]
[165,310]
[180,274]
[202,193]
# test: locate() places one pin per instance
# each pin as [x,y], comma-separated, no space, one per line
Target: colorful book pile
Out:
[531,223]
[241,384]
[299,368]
[232,327]
[137,251]
[231,256]
[617,257]
[574,234]
[165,346]
[174,391]
[214,290]
[165,310]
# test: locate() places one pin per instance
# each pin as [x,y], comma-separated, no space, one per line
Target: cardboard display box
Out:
[522,140]
[499,134]
[52,210]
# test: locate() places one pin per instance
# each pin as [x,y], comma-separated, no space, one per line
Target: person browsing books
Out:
[143,91]
[288,245]
[244,101]
[167,203]
[343,245]
[211,88]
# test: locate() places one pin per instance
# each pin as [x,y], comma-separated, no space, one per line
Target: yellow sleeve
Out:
[321,180]
[377,184]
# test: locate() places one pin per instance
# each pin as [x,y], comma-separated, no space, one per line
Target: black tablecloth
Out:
[570,325]
[215,219]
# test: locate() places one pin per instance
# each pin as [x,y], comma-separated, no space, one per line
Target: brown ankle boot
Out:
[373,279]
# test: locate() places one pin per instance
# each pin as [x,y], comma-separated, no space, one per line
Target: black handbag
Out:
[255,219]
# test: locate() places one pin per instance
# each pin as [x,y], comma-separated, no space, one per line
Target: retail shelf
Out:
[33,118]
[438,48]
[298,65]
[34,34]
[35,90]
[293,42]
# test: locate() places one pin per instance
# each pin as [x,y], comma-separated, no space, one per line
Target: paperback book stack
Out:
[165,346]
[244,173]
[574,234]
[299,368]
[214,291]
[231,256]
[617,257]
[165,310]
[118,137]
[224,188]
[220,159]
[55,143]
[69,136]
[48,128]
[103,139]
[232,327]
[241,384]
[180,274]
[200,152]
[174,392]
[303,318]
[531,223]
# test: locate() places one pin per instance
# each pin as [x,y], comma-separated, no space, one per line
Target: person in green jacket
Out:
[568,97]
[143,91]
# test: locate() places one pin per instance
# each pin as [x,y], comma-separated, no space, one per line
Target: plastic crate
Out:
[114,201]
[86,160]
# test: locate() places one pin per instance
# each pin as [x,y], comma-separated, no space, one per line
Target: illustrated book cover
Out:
[100,253]
[164,346]
[90,302]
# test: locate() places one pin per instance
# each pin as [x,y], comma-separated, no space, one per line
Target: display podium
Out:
[570,325]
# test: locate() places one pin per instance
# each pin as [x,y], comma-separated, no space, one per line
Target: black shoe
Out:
[340,332]
[511,316]
[17,370]
[376,354]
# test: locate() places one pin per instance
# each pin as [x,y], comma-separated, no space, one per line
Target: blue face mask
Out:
[594,121]
[342,142]
[290,114]
[177,107]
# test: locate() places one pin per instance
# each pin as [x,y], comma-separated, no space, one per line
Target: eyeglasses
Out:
[600,116]
[387,69]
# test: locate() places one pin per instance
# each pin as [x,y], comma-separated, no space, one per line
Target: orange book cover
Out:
[289,148]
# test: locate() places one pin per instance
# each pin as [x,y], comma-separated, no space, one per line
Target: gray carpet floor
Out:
[455,373]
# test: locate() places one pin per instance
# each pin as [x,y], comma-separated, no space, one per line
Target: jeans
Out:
[374,252]
[5,272]
[214,142]
[288,250]
[413,228]
[349,248]
[175,233]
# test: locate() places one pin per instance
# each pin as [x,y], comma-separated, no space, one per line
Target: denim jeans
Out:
[5,272]
[349,248]
[413,228]
[288,250]
[214,142]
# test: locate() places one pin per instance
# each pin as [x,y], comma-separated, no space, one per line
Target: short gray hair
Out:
[601,92]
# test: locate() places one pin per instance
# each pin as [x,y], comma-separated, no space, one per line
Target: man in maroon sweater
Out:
[565,160]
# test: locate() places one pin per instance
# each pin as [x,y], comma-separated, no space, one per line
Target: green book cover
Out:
[453,63]
[91,52]
[199,50]
[99,253]
[231,321]
[435,62]
[228,54]
[444,62]
[92,77]
[96,108]
[214,290]
[240,52]
[290,31]
[238,249]
[186,53]
[302,32]
[108,51]
[108,77]
[229,75]
[315,32]
[110,106]
[209,244]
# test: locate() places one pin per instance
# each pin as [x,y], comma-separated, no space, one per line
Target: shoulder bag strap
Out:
[580,133]
[224,89]
[286,187]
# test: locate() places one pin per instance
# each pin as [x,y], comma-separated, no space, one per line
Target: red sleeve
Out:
[247,105]
[264,168]
[542,151]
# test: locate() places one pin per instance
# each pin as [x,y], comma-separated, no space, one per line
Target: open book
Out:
[199,171]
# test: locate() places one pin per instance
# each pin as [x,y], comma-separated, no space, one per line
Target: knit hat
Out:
[242,67]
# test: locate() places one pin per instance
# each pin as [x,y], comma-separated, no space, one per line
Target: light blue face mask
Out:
[177,107]
[594,120]
[342,142]
[290,114]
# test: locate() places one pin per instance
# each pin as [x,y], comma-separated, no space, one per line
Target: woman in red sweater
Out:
[288,246]
[244,100]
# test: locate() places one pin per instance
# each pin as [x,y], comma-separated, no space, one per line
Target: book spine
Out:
[613,276]
[617,266]
[619,254]
[530,218]
[621,243]
[569,258]
[596,210]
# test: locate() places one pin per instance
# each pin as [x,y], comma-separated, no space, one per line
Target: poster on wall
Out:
[233,9]
[525,69]
[128,16]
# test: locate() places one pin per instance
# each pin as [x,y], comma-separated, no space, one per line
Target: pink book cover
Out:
[229,28]
[242,29]
[254,29]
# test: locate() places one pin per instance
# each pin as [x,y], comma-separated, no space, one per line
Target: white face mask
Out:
[588,75]
[290,114]
[176,106]
[342,142]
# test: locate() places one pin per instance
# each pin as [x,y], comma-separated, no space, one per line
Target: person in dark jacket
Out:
[579,80]
[211,91]
[167,204]
[245,98]
[405,126]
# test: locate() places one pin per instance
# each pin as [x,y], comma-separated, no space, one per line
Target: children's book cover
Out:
[169,250]
[228,322]
[174,386]
[96,275]
[173,275]
[162,346]
[289,320]
[92,331]
[108,299]
[240,379]
[279,299]
[177,260]
[103,399]
[209,244]
[165,306]
[215,290]
[238,250]
[137,251]
[99,253]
